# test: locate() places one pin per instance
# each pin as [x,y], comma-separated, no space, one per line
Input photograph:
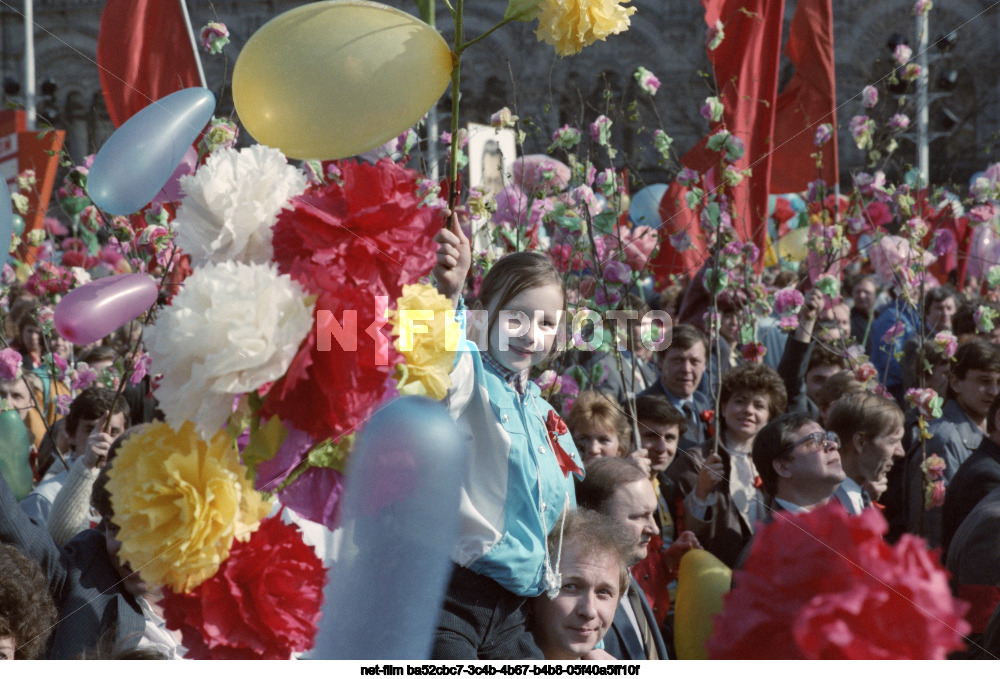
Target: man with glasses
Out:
[798,462]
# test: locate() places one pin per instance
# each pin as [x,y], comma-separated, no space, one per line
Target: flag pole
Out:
[194,43]
[29,63]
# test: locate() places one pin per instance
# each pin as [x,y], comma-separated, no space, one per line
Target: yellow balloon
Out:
[793,245]
[333,79]
[701,582]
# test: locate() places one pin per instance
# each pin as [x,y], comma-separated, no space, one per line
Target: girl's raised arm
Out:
[454,257]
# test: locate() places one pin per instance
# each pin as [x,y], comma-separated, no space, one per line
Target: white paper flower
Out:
[232,328]
[232,202]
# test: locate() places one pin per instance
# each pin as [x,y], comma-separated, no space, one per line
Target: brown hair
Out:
[604,476]
[837,385]
[592,407]
[684,337]
[512,275]
[771,443]
[658,410]
[864,413]
[27,612]
[755,378]
[593,533]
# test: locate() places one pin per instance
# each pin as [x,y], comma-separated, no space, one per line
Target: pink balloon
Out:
[91,311]
[171,191]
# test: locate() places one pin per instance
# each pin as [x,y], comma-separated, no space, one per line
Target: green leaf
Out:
[521,10]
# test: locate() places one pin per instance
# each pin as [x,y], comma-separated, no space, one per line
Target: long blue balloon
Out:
[138,159]
[6,221]
[400,523]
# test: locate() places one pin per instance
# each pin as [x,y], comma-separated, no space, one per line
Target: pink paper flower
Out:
[899,121]
[214,36]
[600,130]
[902,53]
[824,133]
[869,96]
[10,364]
[648,82]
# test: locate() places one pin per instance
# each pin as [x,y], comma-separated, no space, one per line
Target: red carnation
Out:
[370,231]
[355,244]
[263,603]
[328,392]
[824,585]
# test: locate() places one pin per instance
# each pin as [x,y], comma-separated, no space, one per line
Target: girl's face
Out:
[525,330]
[31,339]
[593,440]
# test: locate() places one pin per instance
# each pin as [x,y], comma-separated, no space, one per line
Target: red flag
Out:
[144,53]
[746,71]
[809,100]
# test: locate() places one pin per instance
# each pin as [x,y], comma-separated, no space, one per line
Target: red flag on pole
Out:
[746,70]
[808,101]
[144,53]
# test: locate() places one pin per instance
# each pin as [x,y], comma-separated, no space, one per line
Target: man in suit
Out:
[973,384]
[619,489]
[974,562]
[973,481]
[682,366]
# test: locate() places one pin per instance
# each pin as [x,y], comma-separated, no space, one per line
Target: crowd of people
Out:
[572,530]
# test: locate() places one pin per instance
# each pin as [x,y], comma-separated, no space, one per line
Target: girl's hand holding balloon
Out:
[454,258]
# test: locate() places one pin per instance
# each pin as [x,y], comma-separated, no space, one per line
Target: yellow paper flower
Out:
[179,502]
[571,25]
[424,323]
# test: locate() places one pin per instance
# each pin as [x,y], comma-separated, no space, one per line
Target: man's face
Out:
[571,624]
[85,428]
[976,391]
[17,396]
[877,456]
[681,369]
[840,315]
[939,314]
[729,327]
[7,648]
[818,376]
[634,505]
[864,296]
[660,441]
[811,463]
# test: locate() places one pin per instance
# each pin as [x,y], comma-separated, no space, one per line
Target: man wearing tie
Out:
[870,428]
[619,489]
[682,365]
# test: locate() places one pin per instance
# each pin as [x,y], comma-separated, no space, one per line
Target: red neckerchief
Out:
[555,426]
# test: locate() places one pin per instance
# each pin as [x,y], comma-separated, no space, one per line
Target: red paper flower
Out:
[263,603]
[329,390]
[824,585]
[355,245]
[369,232]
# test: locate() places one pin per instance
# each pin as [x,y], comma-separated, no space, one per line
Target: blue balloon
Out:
[6,220]
[139,158]
[400,524]
[645,206]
